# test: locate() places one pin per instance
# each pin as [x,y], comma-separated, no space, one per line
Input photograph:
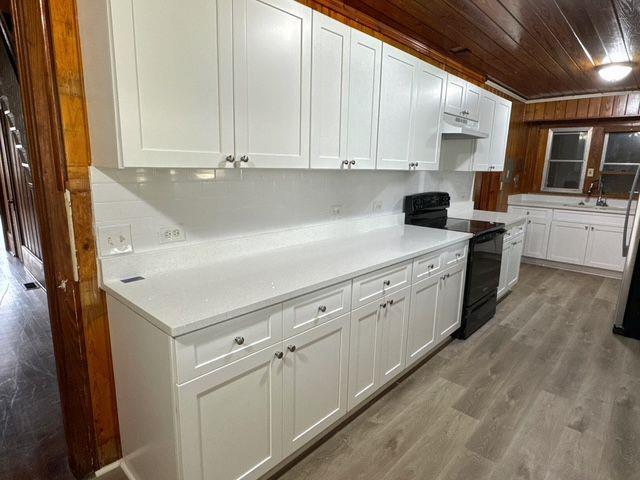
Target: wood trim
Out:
[51,83]
[75,137]
[365,23]
[625,105]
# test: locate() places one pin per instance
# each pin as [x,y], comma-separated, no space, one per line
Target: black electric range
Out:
[483,261]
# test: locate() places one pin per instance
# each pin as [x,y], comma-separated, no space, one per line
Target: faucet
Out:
[593,185]
[602,198]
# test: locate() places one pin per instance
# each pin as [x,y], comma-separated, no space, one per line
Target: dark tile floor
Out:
[32,444]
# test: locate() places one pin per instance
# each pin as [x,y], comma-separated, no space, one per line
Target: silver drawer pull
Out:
[390,302]
[322,308]
[386,283]
[291,348]
[279,354]
[383,305]
[239,340]
[345,163]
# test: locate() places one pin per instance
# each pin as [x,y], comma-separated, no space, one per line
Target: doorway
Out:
[32,436]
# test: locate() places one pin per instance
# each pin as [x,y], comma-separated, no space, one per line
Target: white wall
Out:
[214,204]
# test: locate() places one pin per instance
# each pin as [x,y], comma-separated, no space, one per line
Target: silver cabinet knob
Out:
[345,163]
[352,163]
[593,228]
[390,302]
[586,227]
[279,354]
[230,158]
[431,267]
[291,348]
[239,340]
[244,159]
[322,308]
[386,283]
[383,305]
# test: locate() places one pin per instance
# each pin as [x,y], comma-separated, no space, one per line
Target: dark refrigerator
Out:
[627,321]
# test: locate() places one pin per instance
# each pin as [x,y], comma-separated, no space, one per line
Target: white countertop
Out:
[509,219]
[616,206]
[184,300]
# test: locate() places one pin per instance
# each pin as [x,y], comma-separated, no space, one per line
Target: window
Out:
[566,159]
[620,160]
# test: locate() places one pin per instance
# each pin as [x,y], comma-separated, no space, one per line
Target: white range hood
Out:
[456,127]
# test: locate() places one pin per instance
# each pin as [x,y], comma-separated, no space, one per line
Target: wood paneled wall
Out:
[603,107]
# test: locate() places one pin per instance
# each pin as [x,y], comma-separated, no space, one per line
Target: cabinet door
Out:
[504,269]
[363,352]
[513,266]
[454,103]
[421,328]
[174,90]
[450,302]
[537,238]
[604,248]
[568,242]
[272,79]
[482,154]
[315,381]
[231,419]
[500,135]
[472,101]
[364,99]
[329,91]
[393,329]
[397,108]
[430,89]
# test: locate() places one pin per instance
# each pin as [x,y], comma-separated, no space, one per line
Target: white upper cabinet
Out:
[272,80]
[431,84]
[482,153]
[462,98]
[331,46]
[397,109]
[493,118]
[364,100]
[345,96]
[156,96]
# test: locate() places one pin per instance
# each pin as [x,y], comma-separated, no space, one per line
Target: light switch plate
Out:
[115,240]
[590,172]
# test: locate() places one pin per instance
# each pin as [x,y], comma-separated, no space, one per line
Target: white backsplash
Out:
[217,204]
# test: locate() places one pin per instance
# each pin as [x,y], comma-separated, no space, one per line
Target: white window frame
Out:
[585,159]
[604,151]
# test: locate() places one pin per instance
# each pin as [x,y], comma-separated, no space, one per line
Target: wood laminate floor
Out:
[544,391]
[32,445]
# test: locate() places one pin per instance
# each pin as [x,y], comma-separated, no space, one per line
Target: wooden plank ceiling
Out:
[536,48]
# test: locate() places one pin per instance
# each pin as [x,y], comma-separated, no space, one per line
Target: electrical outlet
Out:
[115,240]
[376,206]
[171,234]
[336,211]
[590,172]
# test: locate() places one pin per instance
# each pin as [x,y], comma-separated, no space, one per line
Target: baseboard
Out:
[117,465]
[572,268]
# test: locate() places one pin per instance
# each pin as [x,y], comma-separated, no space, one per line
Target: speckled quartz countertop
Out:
[184,300]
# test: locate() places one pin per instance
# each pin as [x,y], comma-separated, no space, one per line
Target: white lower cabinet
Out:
[231,419]
[450,301]
[378,332]
[537,239]
[421,331]
[513,264]
[604,247]
[219,410]
[568,242]
[315,381]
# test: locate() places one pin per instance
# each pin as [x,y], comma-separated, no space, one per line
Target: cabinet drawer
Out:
[213,347]
[591,218]
[373,286]
[454,255]
[310,310]
[541,213]
[426,266]
[513,233]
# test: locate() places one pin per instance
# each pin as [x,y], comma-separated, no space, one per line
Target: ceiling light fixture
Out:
[614,72]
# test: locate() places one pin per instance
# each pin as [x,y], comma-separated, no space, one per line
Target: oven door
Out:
[483,269]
